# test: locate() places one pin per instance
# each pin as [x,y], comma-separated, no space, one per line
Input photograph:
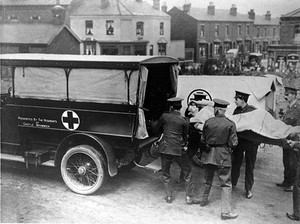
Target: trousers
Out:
[290,165]
[184,164]
[296,191]
[250,150]
[224,174]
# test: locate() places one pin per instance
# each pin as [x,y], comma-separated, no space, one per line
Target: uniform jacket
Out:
[219,133]
[175,131]
[292,115]
[242,141]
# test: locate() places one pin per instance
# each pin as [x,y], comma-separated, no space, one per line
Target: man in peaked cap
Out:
[291,117]
[173,146]
[220,136]
[245,146]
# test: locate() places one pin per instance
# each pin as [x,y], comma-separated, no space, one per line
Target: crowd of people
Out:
[205,134]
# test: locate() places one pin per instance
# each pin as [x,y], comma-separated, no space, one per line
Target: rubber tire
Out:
[97,160]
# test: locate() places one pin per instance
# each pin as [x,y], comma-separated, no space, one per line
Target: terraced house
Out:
[210,32]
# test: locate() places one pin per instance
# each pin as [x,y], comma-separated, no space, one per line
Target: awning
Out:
[217,40]
[248,39]
[227,39]
[239,39]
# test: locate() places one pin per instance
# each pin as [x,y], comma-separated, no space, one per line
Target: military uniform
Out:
[296,187]
[219,134]
[250,149]
[291,117]
[175,133]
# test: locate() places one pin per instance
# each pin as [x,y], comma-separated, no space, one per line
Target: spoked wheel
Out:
[83,169]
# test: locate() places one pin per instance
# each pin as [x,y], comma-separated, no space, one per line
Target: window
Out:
[161,29]
[88,27]
[89,48]
[266,32]
[202,30]
[35,17]
[247,45]
[248,30]
[216,30]
[216,48]
[13,18]
[258,30]
[140,29]
[240,30]
[151,50]
[274,31]
[109,27]
[162,49]
[202,50]
[227,30]
[227,46]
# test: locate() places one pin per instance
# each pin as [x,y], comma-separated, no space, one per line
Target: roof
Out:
[20,33]
[83,61]
[261,20]
[32,2]
[115,8]
[295,13]
[220,15]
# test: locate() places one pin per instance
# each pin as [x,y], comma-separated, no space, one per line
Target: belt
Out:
[218,145]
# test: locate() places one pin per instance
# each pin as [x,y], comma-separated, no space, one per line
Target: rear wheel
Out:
[83,169]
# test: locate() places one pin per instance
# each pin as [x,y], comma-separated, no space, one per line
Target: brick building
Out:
[209,32]
[285,55]
[36,26]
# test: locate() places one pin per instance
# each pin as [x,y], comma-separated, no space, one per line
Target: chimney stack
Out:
[211,9]
[187,7]
[233,10]
[268,15]
[164,7]
[58,14]
[156,4]
[251,14]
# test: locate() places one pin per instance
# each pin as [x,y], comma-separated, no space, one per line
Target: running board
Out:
[154,166]
[16,158]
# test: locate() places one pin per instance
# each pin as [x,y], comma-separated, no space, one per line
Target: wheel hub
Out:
[82,170]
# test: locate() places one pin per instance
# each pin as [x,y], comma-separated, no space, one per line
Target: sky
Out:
[276,7]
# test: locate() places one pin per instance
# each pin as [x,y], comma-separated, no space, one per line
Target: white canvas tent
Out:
[262,89]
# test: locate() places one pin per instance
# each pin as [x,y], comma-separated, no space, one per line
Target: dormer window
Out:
[140,29]
[13,18]
[109,27]
[88,27]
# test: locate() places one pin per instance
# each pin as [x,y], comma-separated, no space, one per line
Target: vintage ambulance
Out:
[88,115]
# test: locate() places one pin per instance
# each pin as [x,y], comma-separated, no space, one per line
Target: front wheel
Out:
[83,169]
